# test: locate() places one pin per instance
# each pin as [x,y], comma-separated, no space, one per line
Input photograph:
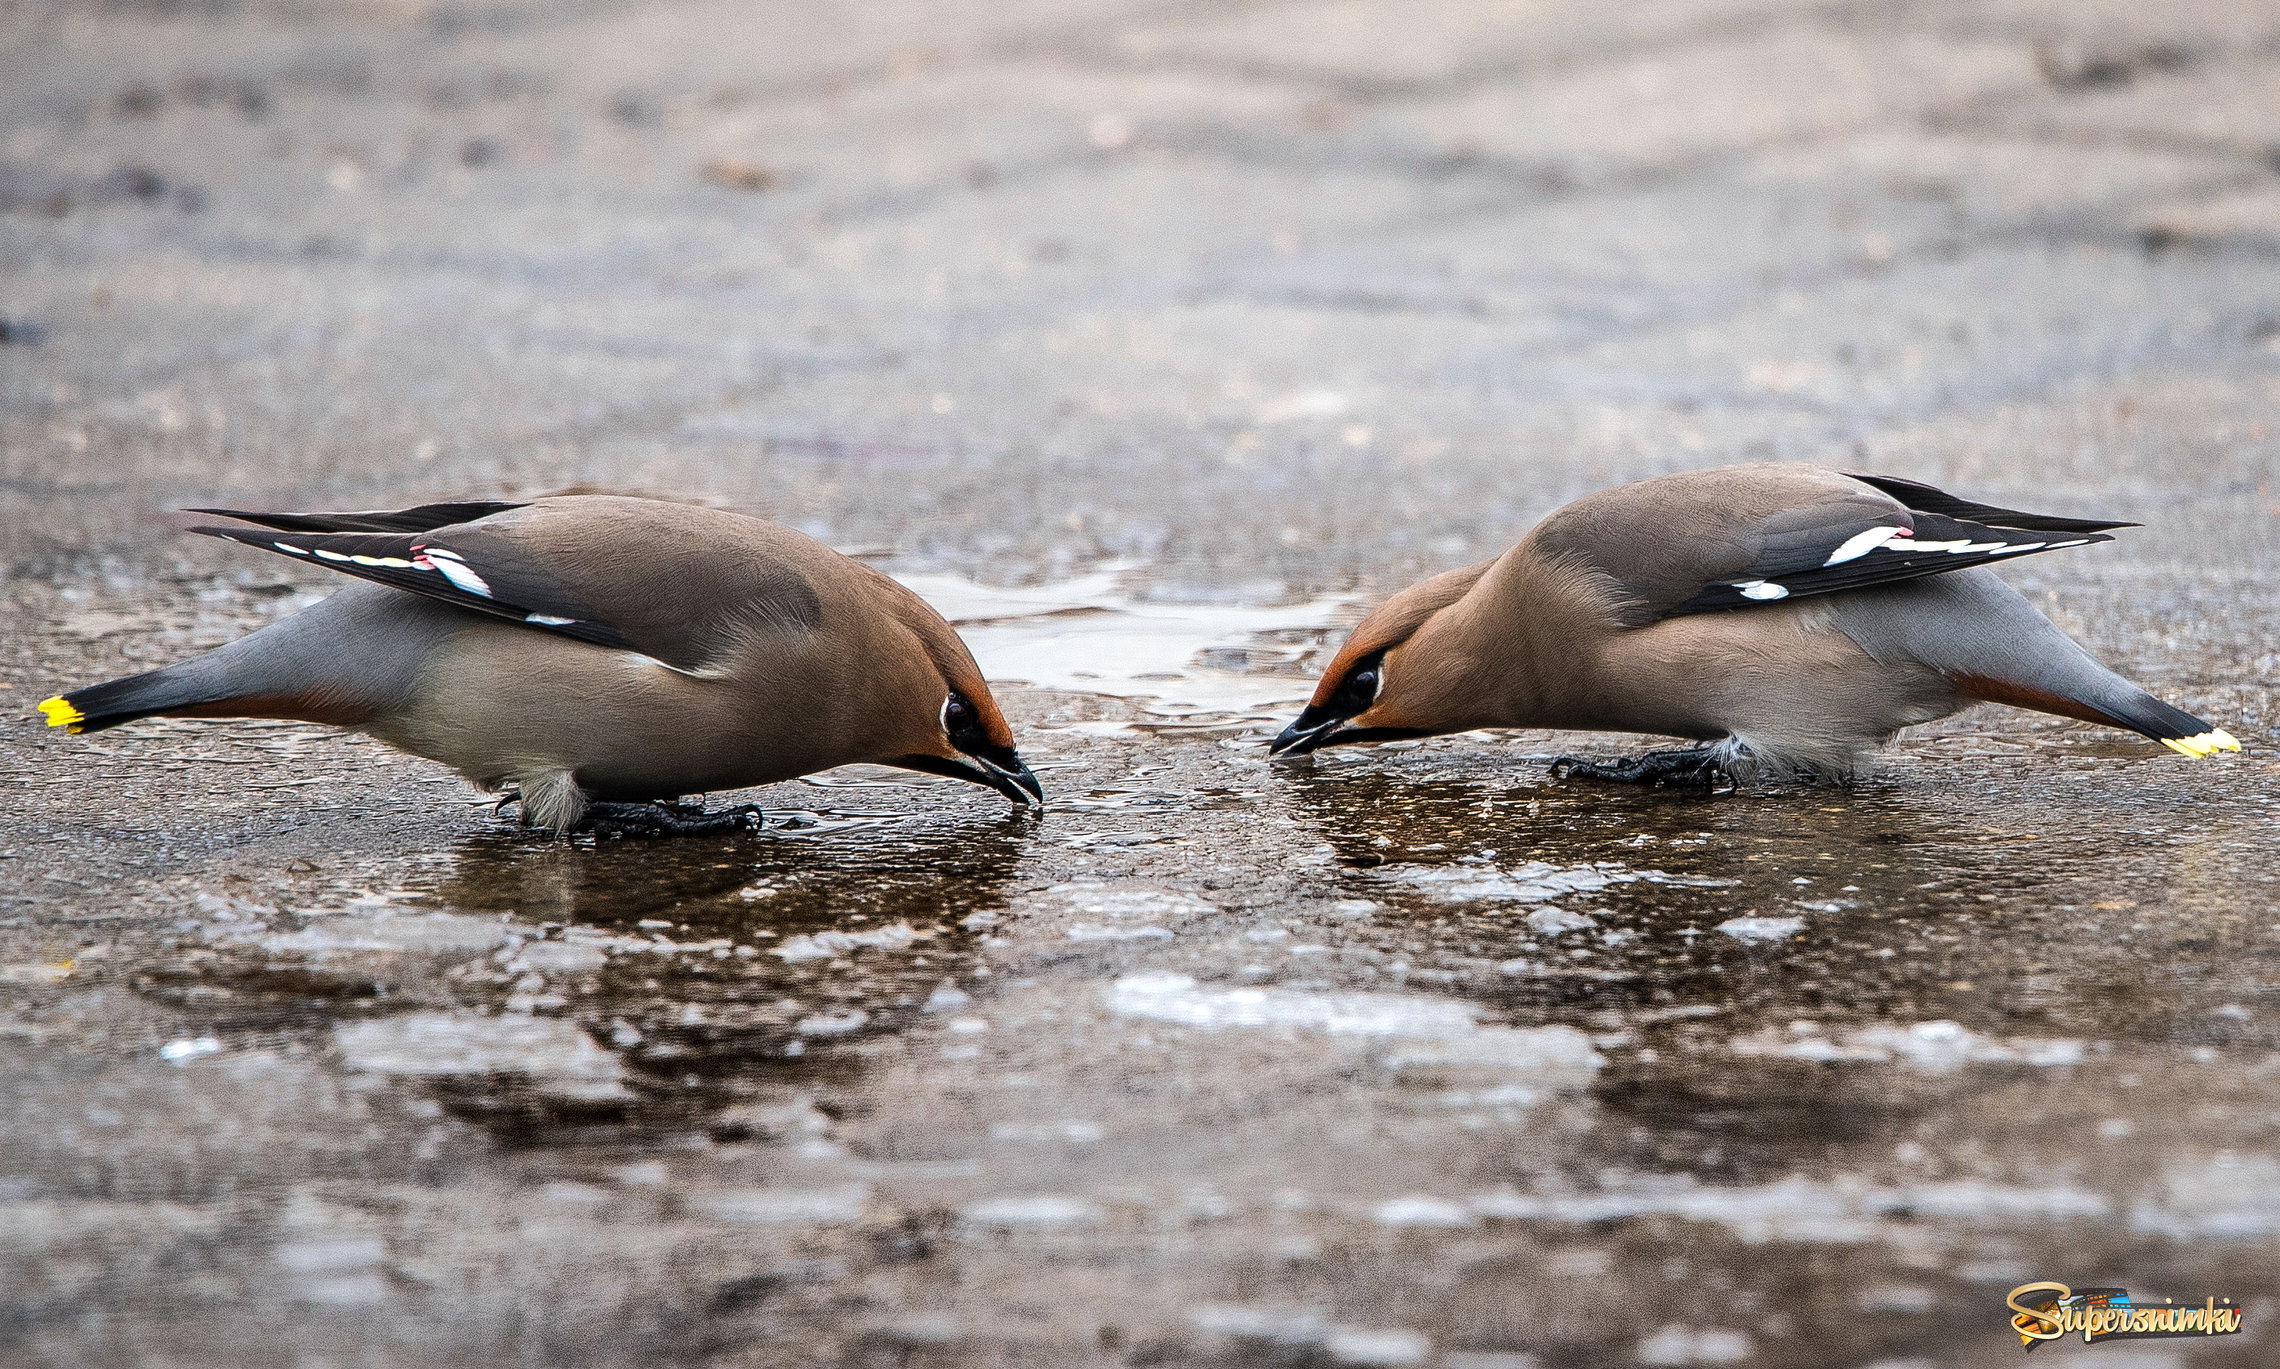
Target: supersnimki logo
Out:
[2051,1311]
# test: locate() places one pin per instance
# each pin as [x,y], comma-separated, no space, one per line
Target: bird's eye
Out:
[957,714]
[1366,681]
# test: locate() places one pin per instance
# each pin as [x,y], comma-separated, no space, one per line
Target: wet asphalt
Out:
[1203,328]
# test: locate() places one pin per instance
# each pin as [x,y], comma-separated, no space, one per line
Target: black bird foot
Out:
[1693,766]
[664,820]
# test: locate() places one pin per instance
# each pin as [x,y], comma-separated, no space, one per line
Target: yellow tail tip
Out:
[2206,744]
[61,714]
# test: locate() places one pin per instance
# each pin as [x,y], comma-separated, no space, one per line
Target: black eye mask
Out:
[1325,724]
[999,767]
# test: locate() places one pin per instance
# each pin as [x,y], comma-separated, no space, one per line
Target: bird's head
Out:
[1385,683]
[947,723]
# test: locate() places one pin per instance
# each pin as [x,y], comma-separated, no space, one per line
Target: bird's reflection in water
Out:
[1384,823]
[1601,908]
[724,969]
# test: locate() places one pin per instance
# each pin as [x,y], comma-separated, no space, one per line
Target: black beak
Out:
[999,767]
[1003,771]
[1310,730]
[1314,730]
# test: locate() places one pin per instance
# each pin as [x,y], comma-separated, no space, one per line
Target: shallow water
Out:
[1201,664]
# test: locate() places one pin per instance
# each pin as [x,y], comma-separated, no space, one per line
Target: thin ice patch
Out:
[1297,1328]
[1798,1209]
[1430,1041]
[1087,931]
[785,1206]
[370,924]
[1937,1047]
[1423,1210]
[833,1023]
[2225,1197]
[1762,928]
[1676,1344]
[1032,1212]
[1304,1332]
[896,936]
[1168,997]
[555,957]
[546,1050]
[436,933]
[1556,921]
[1533,881]
[1127,913]
[1154,905]
[188,1048]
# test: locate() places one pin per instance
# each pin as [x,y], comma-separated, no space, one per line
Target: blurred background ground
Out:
[1268,306]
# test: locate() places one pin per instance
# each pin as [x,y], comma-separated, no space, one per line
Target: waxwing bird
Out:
[591,655]
[1794,618]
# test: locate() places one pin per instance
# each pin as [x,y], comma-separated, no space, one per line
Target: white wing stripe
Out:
[1961,547]
[458,573]
[1860,544]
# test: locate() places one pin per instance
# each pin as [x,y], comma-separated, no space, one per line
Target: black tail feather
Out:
[425,518]
[123,701]
[1925,499]
[2151,717]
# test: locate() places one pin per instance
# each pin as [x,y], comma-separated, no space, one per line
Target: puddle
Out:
[1182,662]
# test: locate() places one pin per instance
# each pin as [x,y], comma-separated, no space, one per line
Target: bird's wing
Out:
[425,518]
[1917,495]
[1743,536]
[681,585]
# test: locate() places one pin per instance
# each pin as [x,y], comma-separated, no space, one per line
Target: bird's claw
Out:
[1692,767]
[665,820]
